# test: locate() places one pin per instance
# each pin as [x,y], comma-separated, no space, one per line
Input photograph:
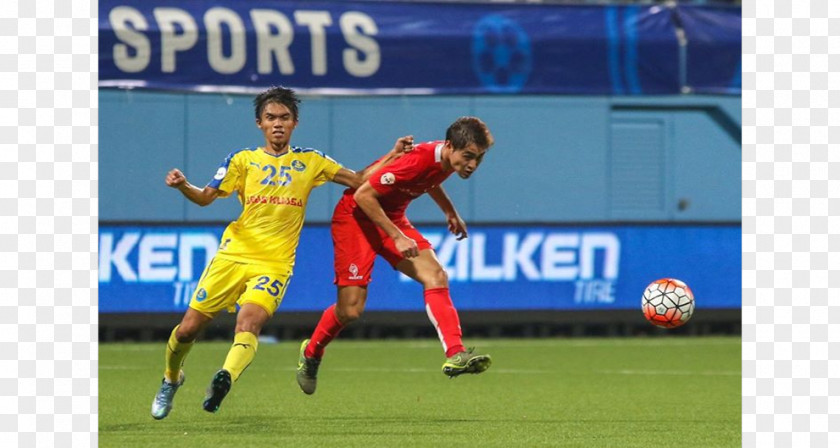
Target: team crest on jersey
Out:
[387,179]
[298,165]
[220,173]
[354,272]
[200,295]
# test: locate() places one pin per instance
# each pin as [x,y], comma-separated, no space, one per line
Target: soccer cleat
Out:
[162,403]
[219,387]
[307,371]
[466,362]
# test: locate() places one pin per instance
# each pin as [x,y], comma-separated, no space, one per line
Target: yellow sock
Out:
[241,354]
[175,354]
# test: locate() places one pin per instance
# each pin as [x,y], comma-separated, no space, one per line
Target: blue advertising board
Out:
[155,269]
[358,47]
[713,35]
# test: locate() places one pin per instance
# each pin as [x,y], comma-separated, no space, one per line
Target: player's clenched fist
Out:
[404,145]
[406,246]
[175,178]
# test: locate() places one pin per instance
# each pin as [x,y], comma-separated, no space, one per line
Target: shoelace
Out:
[466,354]
[310,366]
[165,393]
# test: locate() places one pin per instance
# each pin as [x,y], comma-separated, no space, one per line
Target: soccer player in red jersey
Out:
[371,220]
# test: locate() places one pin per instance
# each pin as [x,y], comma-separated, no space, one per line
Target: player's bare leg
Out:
[427,270]
[351,303]
[349,307]
[249,323]
[180,342]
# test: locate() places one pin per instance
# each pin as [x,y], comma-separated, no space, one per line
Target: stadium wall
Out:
[557,159]
[567,164]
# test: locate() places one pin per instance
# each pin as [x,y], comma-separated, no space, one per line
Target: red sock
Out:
[445,319]
[327,329]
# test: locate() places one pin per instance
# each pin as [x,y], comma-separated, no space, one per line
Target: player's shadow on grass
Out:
[260,423]
[208,423]
[524,421]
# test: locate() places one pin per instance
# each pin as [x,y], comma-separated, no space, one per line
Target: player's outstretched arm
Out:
[176,179]
[353,179]
[456,225]
[368,200]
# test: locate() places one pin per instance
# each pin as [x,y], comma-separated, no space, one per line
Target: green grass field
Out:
[642,392]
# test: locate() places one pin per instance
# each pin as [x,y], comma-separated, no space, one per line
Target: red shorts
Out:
[357,240]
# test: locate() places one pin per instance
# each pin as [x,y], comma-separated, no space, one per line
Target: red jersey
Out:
[406,178]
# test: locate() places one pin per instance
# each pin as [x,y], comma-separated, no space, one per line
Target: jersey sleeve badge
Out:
[387,179]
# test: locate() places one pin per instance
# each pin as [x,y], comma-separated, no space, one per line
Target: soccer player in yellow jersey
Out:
[254,262]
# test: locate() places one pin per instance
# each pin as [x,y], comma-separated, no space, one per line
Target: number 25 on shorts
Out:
[273,289]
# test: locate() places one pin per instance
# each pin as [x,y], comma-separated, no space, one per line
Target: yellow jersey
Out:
[273,191]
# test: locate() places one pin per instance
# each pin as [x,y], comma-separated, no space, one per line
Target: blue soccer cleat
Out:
[218,389]
[162,403]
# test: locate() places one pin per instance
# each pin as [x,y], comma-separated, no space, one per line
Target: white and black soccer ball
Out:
[668,303]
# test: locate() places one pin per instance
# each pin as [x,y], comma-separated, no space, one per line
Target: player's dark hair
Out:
[466,130]
[279,95]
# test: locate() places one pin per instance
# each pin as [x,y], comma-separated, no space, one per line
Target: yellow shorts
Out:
[225,284]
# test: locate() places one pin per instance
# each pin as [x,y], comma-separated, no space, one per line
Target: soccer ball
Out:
[668,303]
